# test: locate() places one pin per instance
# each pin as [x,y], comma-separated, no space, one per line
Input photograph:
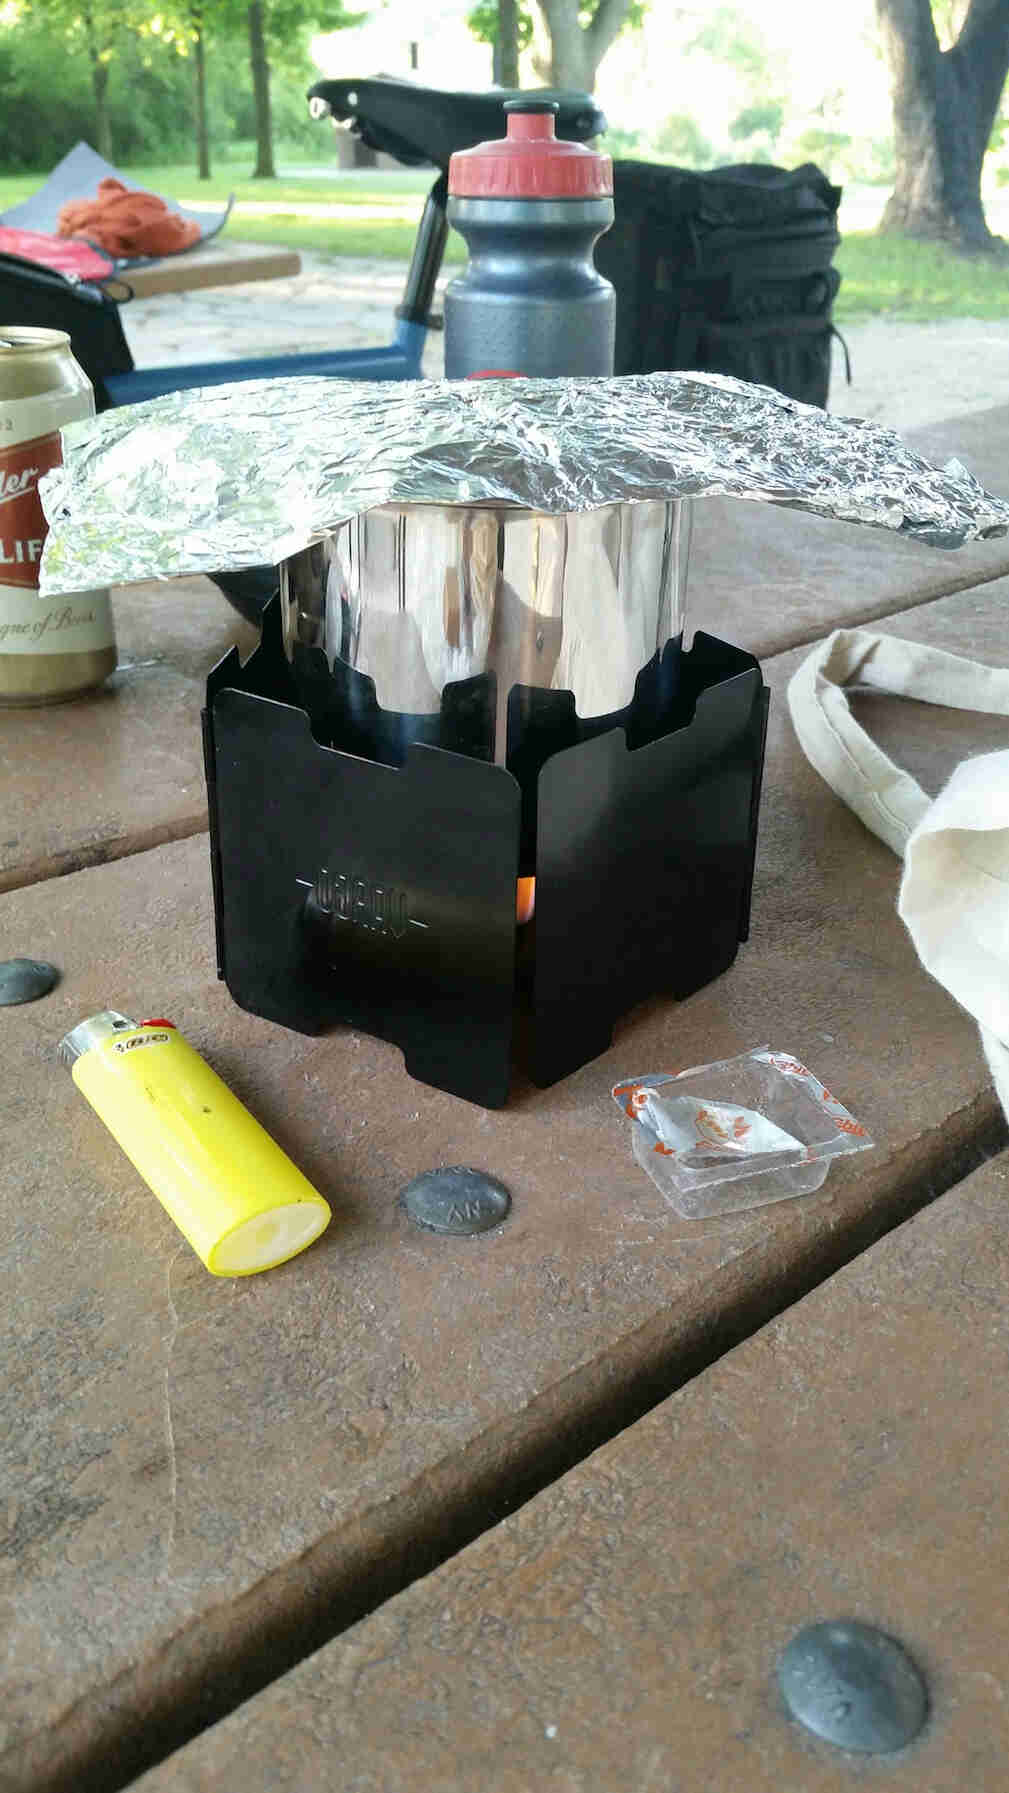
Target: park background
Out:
[176,97]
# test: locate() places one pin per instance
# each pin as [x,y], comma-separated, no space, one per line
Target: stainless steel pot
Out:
[420,596]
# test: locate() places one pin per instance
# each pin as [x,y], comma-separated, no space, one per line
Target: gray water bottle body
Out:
[530,300]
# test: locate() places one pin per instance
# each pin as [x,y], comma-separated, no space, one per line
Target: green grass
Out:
[916,282]
[389,238]
[383,238]
[407,187]
[386,237]
[880,276]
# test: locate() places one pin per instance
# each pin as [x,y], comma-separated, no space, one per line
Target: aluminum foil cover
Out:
[233,476]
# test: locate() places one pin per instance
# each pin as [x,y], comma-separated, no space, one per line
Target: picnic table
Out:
[212,262]
[206,1481]
[215,263]
[622,1630]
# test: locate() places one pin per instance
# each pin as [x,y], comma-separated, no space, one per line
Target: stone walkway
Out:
[332,303]
[905,375]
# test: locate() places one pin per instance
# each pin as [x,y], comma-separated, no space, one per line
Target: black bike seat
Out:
[423,125]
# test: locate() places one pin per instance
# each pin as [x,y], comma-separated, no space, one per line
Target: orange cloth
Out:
[125,222]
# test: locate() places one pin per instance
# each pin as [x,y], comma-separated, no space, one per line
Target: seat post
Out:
[428,253]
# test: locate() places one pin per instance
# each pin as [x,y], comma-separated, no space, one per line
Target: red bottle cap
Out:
[160,1023]
[531,162]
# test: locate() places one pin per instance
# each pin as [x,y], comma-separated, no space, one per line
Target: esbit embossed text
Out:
[379,907]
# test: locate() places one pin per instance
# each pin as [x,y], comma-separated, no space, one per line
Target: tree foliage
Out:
[288,25]
[126,76]
[733,39]
[49,105]
[278,31]
[483,22]
[580,33]
[112,73]
[681,138]
[763,119]
[95,29]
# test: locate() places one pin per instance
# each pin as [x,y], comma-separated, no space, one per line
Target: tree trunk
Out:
[577,50]
[264,168]
[99,87]
[103,126]
[507,72]
[200,98]
[944,106]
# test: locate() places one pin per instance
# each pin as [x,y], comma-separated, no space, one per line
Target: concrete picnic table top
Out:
[205,1479]
[129,756]
[218,262]
[849,1461]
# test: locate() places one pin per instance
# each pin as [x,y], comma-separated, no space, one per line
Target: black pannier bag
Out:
[30,294]
[728,272]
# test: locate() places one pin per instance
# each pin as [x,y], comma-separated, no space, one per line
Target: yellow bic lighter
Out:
[227,1185]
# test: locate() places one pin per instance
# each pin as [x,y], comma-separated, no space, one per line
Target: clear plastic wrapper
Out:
[234,476]
[737,1134]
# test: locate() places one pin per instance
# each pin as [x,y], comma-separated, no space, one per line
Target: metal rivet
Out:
[456,1200]
[25,980]
[853,1686]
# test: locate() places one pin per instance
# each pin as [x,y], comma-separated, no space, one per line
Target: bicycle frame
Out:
[399,360]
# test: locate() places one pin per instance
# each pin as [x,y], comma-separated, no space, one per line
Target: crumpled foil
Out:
[234,476]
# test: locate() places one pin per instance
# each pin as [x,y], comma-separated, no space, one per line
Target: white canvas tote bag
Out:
[954,894]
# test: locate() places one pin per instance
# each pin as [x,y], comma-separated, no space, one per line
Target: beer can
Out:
[50,648]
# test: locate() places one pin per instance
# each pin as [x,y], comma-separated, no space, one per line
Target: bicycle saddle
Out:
[421,125]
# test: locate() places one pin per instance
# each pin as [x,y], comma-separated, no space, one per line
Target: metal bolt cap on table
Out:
[853,1686]
[456,1200]
[25,980]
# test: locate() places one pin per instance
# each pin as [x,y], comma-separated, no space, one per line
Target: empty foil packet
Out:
[737,1134]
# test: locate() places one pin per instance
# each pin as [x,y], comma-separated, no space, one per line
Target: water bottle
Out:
[531,208]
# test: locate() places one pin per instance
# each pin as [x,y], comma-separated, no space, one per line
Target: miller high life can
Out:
[50,648]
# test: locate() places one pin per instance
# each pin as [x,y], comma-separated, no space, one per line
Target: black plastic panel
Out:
[360,894]
[644,868]
[381,896]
